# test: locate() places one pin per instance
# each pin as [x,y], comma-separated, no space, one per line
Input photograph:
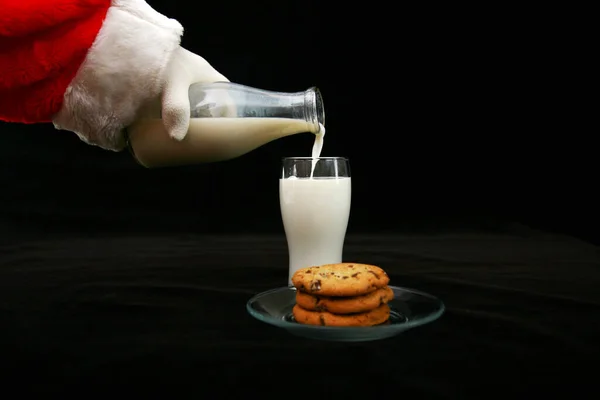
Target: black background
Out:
[461,132]
[449,117]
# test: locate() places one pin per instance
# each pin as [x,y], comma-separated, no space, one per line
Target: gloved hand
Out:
[185,69]
[92,66]
[137,62]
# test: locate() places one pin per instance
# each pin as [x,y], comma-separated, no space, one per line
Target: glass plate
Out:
[409,309]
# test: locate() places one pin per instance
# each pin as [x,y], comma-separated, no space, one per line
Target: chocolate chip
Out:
[376,275]
[315,285]
[355,275]
[345,277]
[322,320]
[351,266]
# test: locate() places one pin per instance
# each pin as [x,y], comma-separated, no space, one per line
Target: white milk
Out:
[315,213]
[317,148]
[207,139]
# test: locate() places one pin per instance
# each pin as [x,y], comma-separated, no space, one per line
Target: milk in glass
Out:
[315,212]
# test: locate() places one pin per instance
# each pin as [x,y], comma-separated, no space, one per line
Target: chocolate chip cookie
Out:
[345,305]
[373,317]
[343,279]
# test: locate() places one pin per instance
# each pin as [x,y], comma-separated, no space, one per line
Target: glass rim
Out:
[314,158]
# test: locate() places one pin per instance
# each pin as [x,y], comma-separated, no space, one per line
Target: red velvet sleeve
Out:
[42,45]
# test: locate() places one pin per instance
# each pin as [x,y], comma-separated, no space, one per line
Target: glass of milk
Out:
[314,196]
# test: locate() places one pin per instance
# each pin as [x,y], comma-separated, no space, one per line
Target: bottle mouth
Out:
[314,100]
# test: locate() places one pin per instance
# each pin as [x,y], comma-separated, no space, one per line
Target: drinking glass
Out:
[314,196]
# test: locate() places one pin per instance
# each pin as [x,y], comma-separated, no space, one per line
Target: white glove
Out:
[135,61]
[185,69]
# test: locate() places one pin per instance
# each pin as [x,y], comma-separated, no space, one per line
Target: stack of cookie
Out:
[345,294]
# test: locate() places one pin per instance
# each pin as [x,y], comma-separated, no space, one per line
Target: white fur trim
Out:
[123,70]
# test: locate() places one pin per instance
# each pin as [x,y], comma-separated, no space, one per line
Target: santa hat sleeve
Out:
[86,65]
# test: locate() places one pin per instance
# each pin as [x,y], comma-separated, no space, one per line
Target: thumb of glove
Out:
[185,69]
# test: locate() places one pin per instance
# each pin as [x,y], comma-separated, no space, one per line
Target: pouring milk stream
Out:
[317,148]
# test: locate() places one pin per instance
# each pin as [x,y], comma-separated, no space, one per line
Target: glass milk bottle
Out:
[227,121]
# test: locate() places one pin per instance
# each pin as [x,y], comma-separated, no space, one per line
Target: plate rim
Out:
[396,327]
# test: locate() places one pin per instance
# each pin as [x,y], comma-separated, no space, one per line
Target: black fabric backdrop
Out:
[166,315]
[469,182]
